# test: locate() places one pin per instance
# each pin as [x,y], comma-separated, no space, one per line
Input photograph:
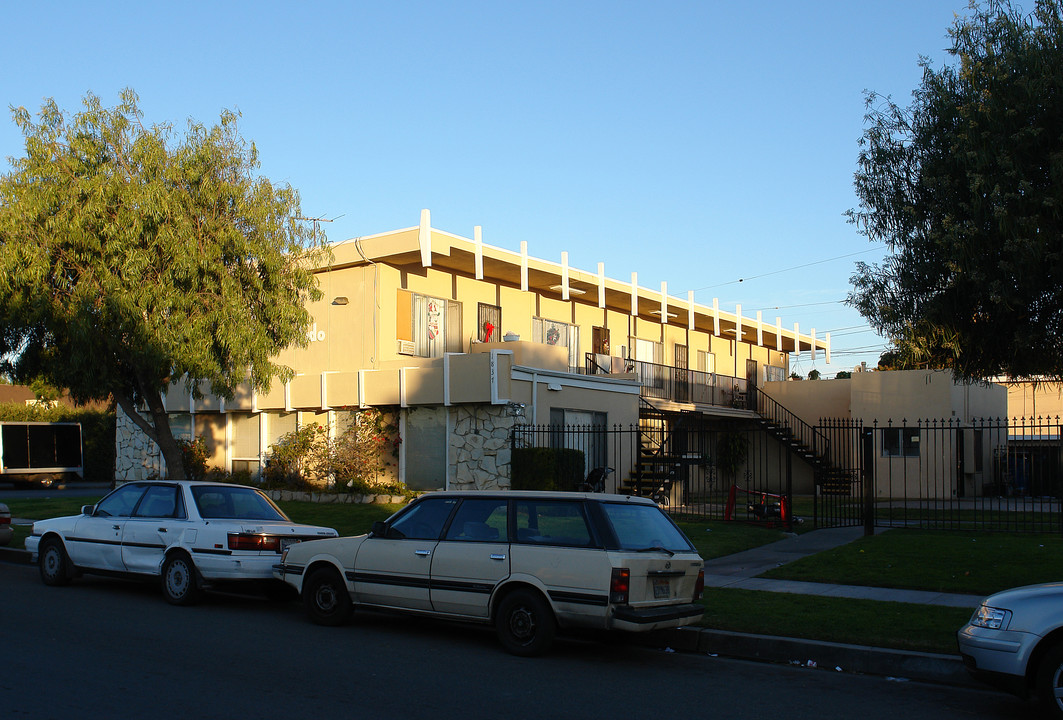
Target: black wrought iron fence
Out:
[997,474]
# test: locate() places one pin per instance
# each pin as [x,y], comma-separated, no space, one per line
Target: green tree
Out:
[965,188]
[133,257]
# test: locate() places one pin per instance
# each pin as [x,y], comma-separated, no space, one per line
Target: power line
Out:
[789,269]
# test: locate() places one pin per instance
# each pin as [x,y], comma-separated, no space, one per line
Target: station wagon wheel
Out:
[179,580]
[525,623]
[1050,682]
[53,563]
[325,598]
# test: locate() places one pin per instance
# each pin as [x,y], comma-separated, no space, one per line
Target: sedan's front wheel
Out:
[179,580]
[53,562]
[325,597]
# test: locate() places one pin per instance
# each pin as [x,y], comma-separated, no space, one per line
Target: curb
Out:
[16,556]
[895,664]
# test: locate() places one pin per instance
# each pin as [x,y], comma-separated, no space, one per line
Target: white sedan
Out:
[192,535]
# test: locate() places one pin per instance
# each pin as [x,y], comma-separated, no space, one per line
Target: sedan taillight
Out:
[699,586]
[620,586]
[250,541]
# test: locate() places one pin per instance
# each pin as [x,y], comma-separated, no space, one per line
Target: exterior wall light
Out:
[341,300]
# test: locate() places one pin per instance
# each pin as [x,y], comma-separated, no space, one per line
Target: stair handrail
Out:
[809,436]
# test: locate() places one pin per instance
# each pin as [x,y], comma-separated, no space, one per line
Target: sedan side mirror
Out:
[87,509]
[380,529]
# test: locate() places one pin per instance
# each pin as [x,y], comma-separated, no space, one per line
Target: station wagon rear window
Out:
[640,527]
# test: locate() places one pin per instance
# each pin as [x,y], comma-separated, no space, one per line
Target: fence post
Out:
[867,471]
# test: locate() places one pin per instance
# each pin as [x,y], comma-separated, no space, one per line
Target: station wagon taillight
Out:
[256,543]
[699,586]
[620,586]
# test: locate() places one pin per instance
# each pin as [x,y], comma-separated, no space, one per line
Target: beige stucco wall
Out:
[812,400]
[1035,400]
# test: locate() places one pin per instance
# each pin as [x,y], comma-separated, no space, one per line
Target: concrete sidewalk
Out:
[741,570]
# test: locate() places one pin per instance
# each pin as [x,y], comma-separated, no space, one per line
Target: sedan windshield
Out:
[234,503]
[645,527]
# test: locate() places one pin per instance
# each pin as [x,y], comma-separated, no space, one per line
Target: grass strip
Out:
[902,626]
[976,563]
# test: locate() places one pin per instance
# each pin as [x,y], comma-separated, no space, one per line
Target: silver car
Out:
[1014,641]
[528,563]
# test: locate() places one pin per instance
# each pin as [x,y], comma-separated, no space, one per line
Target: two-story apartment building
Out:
[458,340]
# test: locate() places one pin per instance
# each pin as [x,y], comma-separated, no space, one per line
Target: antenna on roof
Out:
[317,220]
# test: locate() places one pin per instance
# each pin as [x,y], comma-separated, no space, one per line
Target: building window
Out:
[181,426]
[430,325]
[551,332]
[648,351]
[488,322]
[774,374]
[900,442]
[706,361]
[582,430]
[245,443]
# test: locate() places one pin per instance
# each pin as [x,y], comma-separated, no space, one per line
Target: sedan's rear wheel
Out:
[525,623]
[179,585]
[53,562]
[326,598]
[1050,682]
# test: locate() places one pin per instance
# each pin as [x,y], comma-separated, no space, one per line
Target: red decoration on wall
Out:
[488,329]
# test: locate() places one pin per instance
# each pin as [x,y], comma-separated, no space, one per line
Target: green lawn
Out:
[975,563]
[941,561]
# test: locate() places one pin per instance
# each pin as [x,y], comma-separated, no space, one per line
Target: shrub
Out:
[547,469]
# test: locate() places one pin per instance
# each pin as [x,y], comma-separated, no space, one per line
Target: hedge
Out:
[547,469]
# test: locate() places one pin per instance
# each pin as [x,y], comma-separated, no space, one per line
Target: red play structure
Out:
[760,507]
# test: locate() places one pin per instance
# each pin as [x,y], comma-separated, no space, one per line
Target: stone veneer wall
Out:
[480,447]
[136,457]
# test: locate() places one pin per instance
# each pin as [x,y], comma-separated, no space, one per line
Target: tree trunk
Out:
[158,430]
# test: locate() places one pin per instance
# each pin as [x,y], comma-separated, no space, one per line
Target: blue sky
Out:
[696,143]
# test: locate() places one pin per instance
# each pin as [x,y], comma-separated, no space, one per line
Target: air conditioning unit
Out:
[407,347]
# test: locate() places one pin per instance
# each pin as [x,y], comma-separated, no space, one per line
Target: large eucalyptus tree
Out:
[133,257]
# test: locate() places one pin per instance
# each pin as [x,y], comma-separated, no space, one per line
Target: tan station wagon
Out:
[527,562]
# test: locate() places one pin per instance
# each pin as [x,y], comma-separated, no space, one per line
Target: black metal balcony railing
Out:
[665,382]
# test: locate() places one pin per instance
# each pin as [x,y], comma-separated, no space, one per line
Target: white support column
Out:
[760,330]
[690,310]
[797,340]
[716,317]
[524,265]
[664,302]
[601,285]
[424,238]
[324,392]
[813,343]
[477,238]
[564,275]
[634,294]
[778,333]
[738,325]
[826,337]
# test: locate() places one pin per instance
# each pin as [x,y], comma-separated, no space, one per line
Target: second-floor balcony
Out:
[680,385]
